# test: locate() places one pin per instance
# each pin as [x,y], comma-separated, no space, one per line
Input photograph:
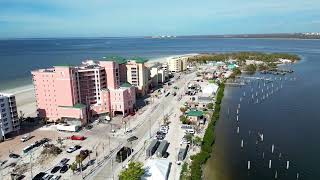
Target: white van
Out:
[189,131]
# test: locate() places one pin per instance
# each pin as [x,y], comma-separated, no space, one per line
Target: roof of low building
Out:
[195,113]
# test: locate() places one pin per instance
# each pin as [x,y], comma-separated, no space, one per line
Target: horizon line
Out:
[146,36]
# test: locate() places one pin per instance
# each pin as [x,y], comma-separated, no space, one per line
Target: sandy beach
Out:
[154,61]
[25,97]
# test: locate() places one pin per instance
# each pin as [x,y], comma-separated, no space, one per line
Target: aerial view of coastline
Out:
[222,93]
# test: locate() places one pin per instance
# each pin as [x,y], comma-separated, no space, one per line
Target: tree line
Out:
[198,160]
[242,56]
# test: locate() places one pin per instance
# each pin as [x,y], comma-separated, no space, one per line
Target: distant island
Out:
[310,35]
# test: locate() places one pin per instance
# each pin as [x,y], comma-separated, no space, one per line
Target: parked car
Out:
[56,177]
[89,127]
[15,156]
[64,168]
[64,161]
[3,162]
[165,131]
[79,138]
[132,138]
[160,136]
[55,169]
[160,133]
[25,138]
[165,126]
[47,177]
[185,126]
[39,176]
[189,131]
[73,148]
[184,141]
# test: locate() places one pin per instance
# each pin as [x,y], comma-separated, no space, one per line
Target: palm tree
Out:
[133,172]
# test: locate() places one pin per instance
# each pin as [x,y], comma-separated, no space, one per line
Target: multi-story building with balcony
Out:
[9,120]
[177,64]
[138,75]
[80,93]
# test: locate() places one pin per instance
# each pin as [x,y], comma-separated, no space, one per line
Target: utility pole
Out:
[80,163]
[1,169]
[112,168]
[150,127]
[31,165]
[109,144]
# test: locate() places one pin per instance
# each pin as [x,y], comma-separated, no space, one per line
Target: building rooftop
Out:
[139,59]
[6,94]
[126,84]
[63,65]
[195,113]
[118,59]
[78,106]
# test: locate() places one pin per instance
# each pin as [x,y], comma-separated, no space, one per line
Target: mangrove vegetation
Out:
[194,170]
[243,56]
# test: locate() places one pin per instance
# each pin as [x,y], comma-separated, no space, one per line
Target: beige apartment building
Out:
[138,75]
[177,64]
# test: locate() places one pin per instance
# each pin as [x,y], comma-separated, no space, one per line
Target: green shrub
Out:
[208,140]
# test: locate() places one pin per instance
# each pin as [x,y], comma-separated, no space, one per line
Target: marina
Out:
[262,155]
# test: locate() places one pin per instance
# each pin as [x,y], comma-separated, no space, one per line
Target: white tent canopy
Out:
[210,89]
[157,169]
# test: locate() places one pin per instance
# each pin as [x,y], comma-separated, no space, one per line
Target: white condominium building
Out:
[9,121]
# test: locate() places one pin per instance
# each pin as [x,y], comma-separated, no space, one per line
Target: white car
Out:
[165,126]
[165,131]
[189,131]
[73,148]
[184,141]
[25,138]
[56,177]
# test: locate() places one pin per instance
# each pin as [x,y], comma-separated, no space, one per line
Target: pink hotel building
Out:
[78,93]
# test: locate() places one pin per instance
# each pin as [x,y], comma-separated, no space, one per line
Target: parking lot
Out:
[106,138]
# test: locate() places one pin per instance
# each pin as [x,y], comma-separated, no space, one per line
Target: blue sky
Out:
[90,18]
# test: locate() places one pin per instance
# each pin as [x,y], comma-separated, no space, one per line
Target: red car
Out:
[79,138]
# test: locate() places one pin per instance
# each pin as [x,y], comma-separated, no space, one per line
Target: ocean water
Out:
[290,119]
[19,57]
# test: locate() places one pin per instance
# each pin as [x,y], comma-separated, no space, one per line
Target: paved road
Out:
[152,117]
